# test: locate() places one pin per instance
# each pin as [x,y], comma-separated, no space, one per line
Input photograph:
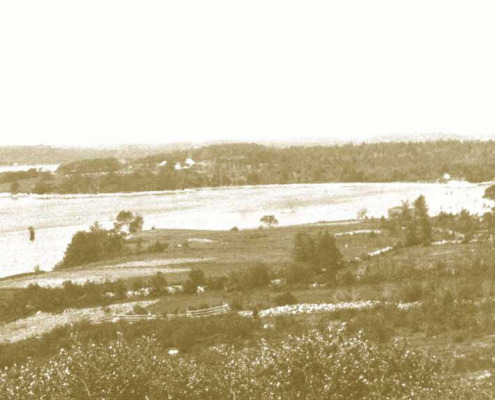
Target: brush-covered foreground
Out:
[316,365]
[448,286]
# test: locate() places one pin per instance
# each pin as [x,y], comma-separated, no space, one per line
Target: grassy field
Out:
[230,251]
[452,287]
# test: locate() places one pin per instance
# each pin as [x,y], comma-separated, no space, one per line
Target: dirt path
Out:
[42,322]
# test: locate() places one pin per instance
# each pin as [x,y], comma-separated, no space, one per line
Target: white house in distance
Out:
[188,163]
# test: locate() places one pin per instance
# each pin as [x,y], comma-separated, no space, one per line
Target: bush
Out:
[25,302]
[285,299]
[297,274]
[316,365]
[138,310]
[256,277]
[412,292]
[346,278]
[87,247]
[319,252]
[196,278]
[158,283]
[157,247]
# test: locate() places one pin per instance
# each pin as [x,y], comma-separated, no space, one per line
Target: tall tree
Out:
[422,221]
[408,225]
[328,255]
[304,247]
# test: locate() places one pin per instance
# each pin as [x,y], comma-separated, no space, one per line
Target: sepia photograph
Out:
[247,200]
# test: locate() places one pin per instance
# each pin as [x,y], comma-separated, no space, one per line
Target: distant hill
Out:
[57,155]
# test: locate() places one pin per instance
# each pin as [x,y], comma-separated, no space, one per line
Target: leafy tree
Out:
[158,282]
[136,225]
[196,278]
[96,245]
[320,253]
[122,220]
[126,219]
[256,277]
[269,220]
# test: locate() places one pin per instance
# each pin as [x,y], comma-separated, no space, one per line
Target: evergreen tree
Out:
[466,225]
[408,225]
[329,256]
[299,250]
[304,247]
[422,221]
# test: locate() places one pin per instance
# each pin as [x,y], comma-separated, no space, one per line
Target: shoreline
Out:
[450,183]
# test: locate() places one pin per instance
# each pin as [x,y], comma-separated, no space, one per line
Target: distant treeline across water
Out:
[238,164]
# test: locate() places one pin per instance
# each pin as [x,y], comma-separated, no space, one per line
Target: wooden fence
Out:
[224,308]
[127,317]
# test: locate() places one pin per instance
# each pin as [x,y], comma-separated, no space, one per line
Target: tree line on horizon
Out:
[253,164]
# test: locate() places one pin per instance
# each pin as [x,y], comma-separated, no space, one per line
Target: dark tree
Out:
[319,253]
[304,247]
[136,225]
[327,254]
[422,221]
[408,225]
[158,282]
[466,224]
[269,220]
[96,245]
[196,278]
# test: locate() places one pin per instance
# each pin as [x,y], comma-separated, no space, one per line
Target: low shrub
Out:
[285,299]
[315,365]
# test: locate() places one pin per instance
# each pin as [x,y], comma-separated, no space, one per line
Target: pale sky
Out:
[117,71]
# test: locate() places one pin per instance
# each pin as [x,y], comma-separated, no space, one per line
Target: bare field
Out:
[41,323]
[100,274]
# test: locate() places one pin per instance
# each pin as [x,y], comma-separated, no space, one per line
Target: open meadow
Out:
[437,300]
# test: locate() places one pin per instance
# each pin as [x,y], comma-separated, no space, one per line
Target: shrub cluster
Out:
[96,245]
[316,365]
[34,298]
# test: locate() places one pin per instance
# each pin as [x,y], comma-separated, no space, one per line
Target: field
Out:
[437,300]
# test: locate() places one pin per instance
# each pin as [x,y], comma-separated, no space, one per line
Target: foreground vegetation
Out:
[426,333]
[316,365]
